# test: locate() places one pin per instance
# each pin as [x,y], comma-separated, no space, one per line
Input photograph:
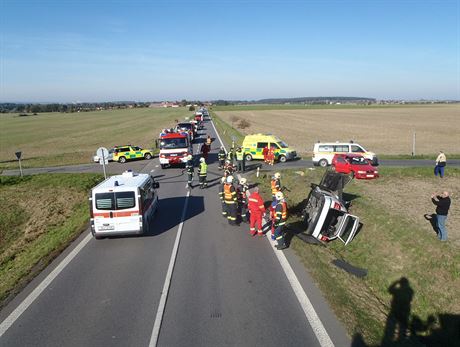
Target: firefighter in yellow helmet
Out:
[280,220]
[231,201]
[275,184]
[202,173]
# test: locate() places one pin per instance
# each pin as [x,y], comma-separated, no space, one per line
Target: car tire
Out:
[282,159]
[122,160]
[352,174]
[163,166]
[148,156]
[323,163]
[248,157]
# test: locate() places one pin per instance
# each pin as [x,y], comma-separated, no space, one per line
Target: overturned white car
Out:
[326,213]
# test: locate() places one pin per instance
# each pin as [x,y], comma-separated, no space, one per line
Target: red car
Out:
[354,164]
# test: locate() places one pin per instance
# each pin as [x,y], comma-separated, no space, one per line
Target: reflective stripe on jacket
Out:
[281,213]
[256,203]
[276,186]
[203,169]
[229,193]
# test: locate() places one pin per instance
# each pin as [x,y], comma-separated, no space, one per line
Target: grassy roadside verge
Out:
[40,216]
[226,132]
[392,245]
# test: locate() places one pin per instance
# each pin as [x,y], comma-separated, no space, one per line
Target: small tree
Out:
[234,119]
[243,124]
[191,108]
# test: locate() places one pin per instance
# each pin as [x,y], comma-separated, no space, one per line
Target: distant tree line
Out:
[73,107]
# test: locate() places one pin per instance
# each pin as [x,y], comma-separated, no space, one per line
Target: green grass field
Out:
[36,227]
[50,139]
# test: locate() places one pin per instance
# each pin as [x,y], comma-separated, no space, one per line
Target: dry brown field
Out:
[384,130]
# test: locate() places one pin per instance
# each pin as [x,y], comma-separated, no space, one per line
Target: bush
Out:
[243,124]
[191,108]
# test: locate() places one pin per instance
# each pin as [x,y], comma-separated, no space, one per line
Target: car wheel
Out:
[282,159]
[248,157]
[322,163]
[122,160]
[163,166]
[352,174]
[148,156]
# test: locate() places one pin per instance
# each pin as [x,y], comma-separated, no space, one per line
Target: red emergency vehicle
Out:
[174,148]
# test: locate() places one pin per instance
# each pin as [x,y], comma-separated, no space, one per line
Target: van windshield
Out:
[282,144]
[173,143]
[115,201]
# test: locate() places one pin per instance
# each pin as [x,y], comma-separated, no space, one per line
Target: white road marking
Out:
[307,307]
[165,291]
[218,136]
[157,165]
[9,321]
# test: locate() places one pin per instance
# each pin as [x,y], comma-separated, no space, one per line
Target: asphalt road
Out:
[139,165]
[227,288]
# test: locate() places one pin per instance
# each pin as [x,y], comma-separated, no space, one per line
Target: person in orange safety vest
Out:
[280,220]
[231,201]
[276,184]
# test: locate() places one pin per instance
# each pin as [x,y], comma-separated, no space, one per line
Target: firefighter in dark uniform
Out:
[202,173]
[243,199]
[190,171]
[228,168]
[231,155]
[231,201]
[275,184]
[239,159]
[221,156]
[221,197]
[280,220]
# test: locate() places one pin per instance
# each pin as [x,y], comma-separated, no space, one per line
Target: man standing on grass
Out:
[442,202]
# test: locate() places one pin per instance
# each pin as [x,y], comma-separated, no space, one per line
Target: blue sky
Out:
[106,50]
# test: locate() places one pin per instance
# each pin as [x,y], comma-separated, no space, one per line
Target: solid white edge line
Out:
[307,307]
[165,291]
[218,136]
[18,311]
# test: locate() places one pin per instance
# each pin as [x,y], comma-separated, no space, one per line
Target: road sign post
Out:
[18,155]
[103,155]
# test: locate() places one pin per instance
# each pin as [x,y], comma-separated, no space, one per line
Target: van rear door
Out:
[347,229]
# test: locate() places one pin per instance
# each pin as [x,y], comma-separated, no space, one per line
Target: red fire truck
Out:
[174,148]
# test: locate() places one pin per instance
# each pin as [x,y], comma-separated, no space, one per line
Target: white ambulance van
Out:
[123,204]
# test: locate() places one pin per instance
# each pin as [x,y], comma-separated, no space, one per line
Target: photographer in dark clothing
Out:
[442,202]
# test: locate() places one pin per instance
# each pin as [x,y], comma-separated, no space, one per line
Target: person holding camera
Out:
[442,202]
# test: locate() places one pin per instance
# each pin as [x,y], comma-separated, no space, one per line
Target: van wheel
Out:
[248,157]
[122,160]
[98,237]
[148,156]
[322,163]
[282,159]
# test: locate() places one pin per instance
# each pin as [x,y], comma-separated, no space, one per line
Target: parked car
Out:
[323,152]
[96,158]
[354,164]
[326,213]
[124,153]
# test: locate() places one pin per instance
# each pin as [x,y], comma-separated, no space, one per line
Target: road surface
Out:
[226,288]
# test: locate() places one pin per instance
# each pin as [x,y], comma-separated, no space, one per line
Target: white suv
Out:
[326,213]
[323,152]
